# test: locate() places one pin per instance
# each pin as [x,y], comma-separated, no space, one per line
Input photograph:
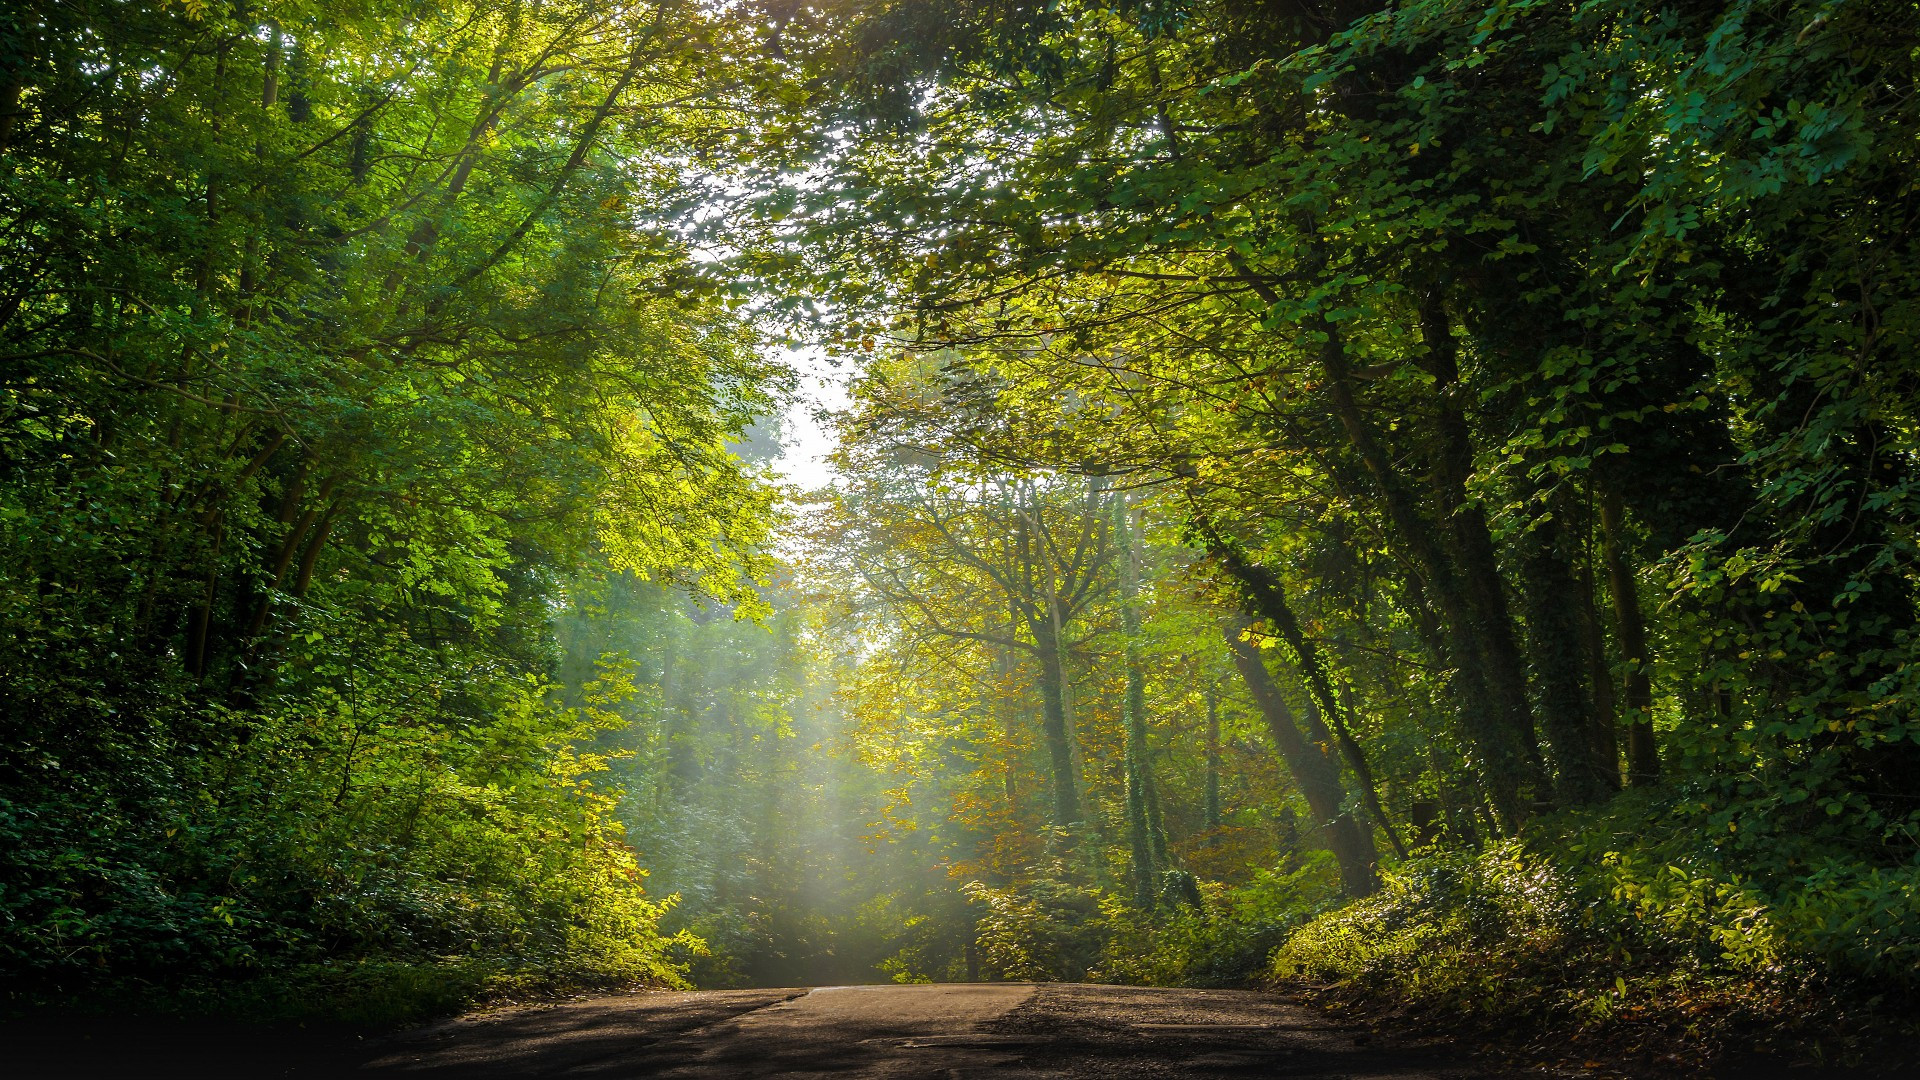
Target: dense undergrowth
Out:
[1052,925]
[1628,930]
[1631,929]
[298,879]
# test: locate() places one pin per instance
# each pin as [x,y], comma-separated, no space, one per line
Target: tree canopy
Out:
[1309,470]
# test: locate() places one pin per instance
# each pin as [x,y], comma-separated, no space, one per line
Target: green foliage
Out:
[1596,921]
[1516,396]
[1535,376]
[333,834]
[933,945]
[370,994]
[1227,940]
[340,343]
[1042,929]
[1430,282]
[1045,928]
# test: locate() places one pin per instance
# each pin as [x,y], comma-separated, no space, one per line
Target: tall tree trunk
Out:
[12,83]
[1606,710]
[1465,526]
[200,626]
[1156,824]
[1643,754]
[1314,769]
[1465,690]
[1489,722]
[1053,723]
[1494,719]
[294,543]
[1003,668]
[1213,763]
[678,768]
[1559,654]
[1268,599]
[315,548]
[1139,828]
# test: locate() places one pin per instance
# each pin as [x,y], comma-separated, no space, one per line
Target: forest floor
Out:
[952,1032]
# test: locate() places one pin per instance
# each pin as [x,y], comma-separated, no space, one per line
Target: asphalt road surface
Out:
[948,1032]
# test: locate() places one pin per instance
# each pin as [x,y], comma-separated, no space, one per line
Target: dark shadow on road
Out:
[953,1032]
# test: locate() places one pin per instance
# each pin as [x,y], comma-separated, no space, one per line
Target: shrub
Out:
[1225,940]
[1042,929]
[301,853]
[1590,922]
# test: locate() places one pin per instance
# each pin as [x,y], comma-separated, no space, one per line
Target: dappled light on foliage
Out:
[1417,499]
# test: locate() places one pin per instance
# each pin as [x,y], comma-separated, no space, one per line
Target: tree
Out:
[920,536]
[1230,227]
[333,341]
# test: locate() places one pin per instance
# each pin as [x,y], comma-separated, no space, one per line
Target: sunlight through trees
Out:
[1419,495]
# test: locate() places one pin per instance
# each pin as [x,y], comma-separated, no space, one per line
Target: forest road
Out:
[1010,1031]
[982,1031]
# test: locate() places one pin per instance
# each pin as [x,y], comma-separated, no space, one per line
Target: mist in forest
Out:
[1421,499]
[859,778]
